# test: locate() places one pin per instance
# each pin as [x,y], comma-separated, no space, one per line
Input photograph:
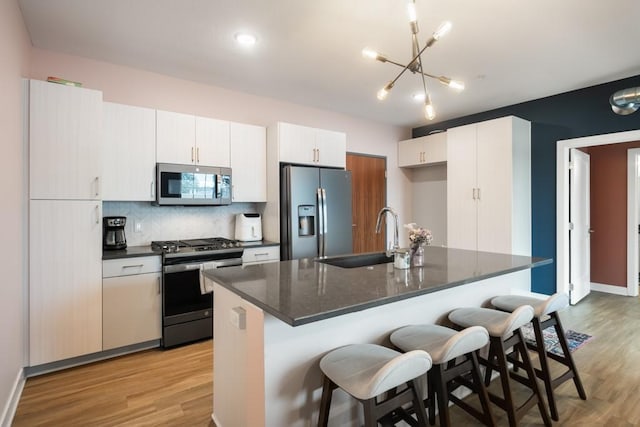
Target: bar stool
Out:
[504,333]
[366,371]
[454,357]
[546,307]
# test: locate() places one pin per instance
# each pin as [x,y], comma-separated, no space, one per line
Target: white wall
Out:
[429,194]
[143,88]
[14,51]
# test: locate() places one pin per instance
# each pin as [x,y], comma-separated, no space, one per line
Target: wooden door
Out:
[369,195]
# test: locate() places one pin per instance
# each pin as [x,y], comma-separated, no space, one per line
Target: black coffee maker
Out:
[113,232]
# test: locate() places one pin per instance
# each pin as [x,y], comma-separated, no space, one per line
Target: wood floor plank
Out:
[174,387]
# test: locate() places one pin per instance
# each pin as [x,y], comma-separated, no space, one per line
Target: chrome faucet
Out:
[384,210]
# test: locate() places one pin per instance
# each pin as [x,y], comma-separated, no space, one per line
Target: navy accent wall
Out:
[583,112]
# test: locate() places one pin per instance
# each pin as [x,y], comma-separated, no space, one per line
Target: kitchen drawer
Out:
[131,266]
[261,254]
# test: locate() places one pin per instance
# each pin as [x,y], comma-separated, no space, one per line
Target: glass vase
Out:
[417,256]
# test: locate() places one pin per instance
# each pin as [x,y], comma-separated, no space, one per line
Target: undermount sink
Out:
[361,260]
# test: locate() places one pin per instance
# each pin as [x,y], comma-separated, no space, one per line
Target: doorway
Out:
[562,214]
[369,195]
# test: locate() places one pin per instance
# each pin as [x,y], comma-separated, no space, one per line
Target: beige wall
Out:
[14,50]
[138,87]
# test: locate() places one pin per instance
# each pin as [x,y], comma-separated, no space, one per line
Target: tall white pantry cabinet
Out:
[65,221]
[489,186]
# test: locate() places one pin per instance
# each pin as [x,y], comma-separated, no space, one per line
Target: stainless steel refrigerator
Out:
[315,207]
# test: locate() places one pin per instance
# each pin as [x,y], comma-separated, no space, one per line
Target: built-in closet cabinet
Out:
[489,186]
[65,221]
[65,142]
[187,139]
[307,145]
[423,151]
[248,162]
[129,154]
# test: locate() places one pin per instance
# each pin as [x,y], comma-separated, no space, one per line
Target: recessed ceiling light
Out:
[245,39]
[418,97]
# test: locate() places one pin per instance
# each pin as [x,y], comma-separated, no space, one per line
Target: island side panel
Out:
[292,377]
[238,368]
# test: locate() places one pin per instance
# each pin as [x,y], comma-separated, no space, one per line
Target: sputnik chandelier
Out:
[415,65]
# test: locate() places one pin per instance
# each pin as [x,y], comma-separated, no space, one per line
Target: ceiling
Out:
[309,52]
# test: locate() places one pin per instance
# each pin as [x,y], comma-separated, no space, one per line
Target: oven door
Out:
[182,299]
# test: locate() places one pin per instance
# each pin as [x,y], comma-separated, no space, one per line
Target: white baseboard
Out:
[215,421]
[609,289]
[11,405]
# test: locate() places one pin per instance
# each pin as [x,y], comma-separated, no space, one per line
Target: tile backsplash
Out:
[176,222]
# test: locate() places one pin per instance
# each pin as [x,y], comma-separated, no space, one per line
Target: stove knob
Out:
[238,244]
[224,245]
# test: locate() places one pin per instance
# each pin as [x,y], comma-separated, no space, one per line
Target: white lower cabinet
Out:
[260,255]
[65,285]
[131,299]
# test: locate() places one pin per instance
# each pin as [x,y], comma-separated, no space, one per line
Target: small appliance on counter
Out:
[113,236]
[248,227]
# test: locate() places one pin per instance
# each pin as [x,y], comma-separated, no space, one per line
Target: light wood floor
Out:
[174,387]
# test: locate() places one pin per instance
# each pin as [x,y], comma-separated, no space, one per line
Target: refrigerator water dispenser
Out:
[306,220]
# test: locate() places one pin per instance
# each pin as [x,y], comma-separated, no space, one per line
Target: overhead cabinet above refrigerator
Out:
[315,212]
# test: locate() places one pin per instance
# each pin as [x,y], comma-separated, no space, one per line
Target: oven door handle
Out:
[175,268]
[231,262]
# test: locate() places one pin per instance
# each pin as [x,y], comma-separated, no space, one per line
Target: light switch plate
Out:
[238,317]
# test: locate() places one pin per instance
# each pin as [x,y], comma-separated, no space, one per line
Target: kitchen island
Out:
[273,323]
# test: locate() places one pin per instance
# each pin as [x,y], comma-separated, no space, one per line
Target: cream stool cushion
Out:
[541,307]
[442,344]
[497,323]
[368,370]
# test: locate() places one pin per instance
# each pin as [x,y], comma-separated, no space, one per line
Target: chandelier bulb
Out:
[411,11]
[429,112]
[382,93]
[456,85]
[369,53]
[442,30]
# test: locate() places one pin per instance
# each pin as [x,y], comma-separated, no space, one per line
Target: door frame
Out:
[562,204]
[633,219]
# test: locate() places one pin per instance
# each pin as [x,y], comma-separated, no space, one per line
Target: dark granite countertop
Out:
[304,291]
[138,251]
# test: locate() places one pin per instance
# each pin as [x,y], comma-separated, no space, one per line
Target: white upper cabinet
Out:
[248,162]
[212,142]
[489,186]
[65,142]
[129,154]
[306,145]
[186,139]
[175,137]
[423,151]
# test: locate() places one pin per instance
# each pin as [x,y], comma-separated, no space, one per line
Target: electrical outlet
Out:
[137,227]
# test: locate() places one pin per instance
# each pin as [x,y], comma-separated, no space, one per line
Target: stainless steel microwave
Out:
[192,185]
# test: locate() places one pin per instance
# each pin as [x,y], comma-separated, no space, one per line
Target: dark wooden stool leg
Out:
[569,359]
[442,395]
[418,403]
[431,399]
[325,402]
[544,367]
[482,391]
[501,362]
[528,366]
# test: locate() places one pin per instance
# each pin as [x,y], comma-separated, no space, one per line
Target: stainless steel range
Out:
[187,305]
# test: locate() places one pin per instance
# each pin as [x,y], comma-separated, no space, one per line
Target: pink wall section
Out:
[14,54]
[147,89]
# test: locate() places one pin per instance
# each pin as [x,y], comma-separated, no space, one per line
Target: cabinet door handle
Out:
[192,155]
[197,154]
[261,254]
[474,193]
[153,190]
[97,214]
[159,286]
[133,266]
[478,194]
[97,184]
[318,150]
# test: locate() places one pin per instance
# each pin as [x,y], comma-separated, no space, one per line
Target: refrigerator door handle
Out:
[320,223]
[325,223]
